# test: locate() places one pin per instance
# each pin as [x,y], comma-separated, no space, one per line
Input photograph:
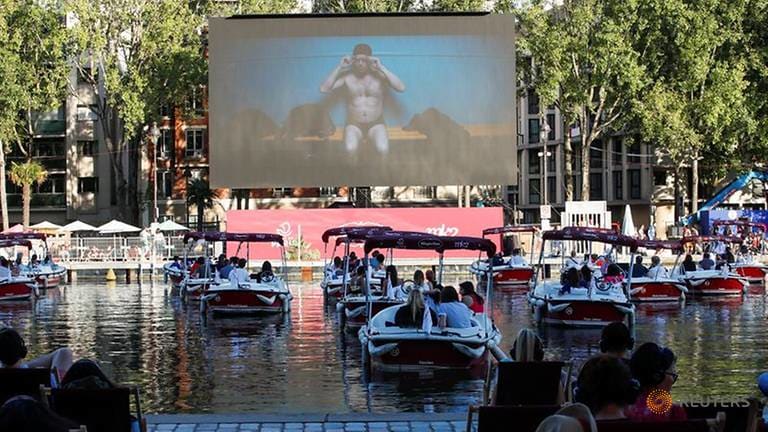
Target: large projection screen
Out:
[362,100]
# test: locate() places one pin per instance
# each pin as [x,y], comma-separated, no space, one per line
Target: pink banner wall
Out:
[311,223]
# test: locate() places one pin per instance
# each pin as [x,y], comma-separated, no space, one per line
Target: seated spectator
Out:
[34,261]
[654,368]
[572,261]
[457,314]
[606,386]
[613,274]
[706,262]
[472,299]
[198,268]
[337,268]
[688,264]
[527,347]
[430,276]
[571,280]
[25,414]
[239,274]
[517,259]
[224,266]
[639,270]
[411,315]
[5,271]
[728,256]
[176,262]
[657,271]
[497,260]
[586,278]
[420,283]
[13,350]
[616,341]
[393,287]
[570,418]
[266,274]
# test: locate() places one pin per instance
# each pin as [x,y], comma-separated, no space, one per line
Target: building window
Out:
[534,191]
[88,184]
[87,113]
[54,184]
[551,123]
[618,185]
[165,144]
[86,148]
[533,102]
[659,178]
[194,143]
[634,152]
[596,155]
[282,192]
[165,183]
[635,188]
[165,111]
[533,131]
[551,189]
[534,162]
[596,186]
[552,160]
[618,147]
[195,103]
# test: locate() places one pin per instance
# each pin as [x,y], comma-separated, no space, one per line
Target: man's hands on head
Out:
[375,63]
[345,63]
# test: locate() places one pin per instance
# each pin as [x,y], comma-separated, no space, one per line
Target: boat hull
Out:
[513,277]
[242,301]
[14,291]
[584,313]
[657,292]
[420,354]
[754,274]
[716,286]
[48,282]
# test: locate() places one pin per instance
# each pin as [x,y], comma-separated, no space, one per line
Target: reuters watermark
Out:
[660,402]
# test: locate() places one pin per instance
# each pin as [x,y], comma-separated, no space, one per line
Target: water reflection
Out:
[303,362]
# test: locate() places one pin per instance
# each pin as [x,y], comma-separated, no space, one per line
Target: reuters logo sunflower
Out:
[659,401]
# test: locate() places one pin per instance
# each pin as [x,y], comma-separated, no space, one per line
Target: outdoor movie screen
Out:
[362,100]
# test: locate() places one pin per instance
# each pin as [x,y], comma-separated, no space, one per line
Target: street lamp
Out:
[154,136]
[544,171]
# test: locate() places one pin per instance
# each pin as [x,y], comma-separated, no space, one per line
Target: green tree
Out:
[200,195]
[136,55]
[25,175]
[696,107]
[33,73]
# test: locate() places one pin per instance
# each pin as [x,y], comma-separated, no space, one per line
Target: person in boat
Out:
[196,266]
[571,279]
[606,386]
[411,315]
[572,261]
[654,368]
[5,271]
[639,270]
[706,262]
[457,314]
[239,274]
[13,350]
[229,265]
[429,275]
[34,261]
[471,298]
[337,269]
[394,288]
[358,283]
[517,260]
[688,264]
[176,263]
[375,260]
[745,255]
[48,260]
[613,274]
[587,277]
[728,256]
[266,274]
[657,270]
[617,341]
[497,260]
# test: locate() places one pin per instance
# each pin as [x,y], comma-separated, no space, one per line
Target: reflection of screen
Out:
[364,100]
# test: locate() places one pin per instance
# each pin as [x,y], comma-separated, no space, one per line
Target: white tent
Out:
[117,227]
[628,225]
[46,226]
[170,225]
[77,226]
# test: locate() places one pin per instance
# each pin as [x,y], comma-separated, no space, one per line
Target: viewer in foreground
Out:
[13,350]
[654,367]
[606,386]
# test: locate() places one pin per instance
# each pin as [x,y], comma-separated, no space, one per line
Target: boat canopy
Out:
[602,235]
[742,223]
[238,237]
[674,245]
[340,231]
[510,229]
[4,243]
[23,235]
[711,238]
[403,240]
[468,243]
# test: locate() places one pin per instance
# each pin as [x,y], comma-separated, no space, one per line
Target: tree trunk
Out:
[3,195]
[200,215]
[585,143]
[26,196]
[695,184]
[568,162]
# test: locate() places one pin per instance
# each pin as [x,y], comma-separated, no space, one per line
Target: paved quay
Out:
[395,422]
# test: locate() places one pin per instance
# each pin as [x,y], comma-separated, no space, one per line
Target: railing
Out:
[96,249]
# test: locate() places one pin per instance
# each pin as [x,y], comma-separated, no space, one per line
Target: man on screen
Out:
[364,78]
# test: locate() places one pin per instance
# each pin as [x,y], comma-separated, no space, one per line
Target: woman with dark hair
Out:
[688,264]
[614,275]
[606,386]
[457,314]
[266,274]
[393,287]
[25,414]
[472,299]
[13,350]
[654,367]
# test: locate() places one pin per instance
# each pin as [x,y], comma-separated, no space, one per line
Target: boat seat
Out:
[101,410]
[509,418]
[29,382]
[528,383]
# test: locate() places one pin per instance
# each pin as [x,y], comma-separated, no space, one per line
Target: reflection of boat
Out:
[390,347]
[264,293]
[658,289]
[506,273]
[598,304]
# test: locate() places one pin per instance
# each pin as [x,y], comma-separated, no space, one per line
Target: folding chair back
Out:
[513,418]
[15,382]
[528,383]
[742,418]
[104,410]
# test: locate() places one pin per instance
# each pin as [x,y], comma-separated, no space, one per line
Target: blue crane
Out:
[736,184]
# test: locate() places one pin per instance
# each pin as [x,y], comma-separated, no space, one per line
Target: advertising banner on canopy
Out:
[309,225]
[307,101]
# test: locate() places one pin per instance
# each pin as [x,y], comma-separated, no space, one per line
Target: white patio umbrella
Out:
[170,225]
[45,226]
[78,226]
[628,225]
[116,227]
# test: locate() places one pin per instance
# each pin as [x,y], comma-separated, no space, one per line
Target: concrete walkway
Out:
[395,422]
